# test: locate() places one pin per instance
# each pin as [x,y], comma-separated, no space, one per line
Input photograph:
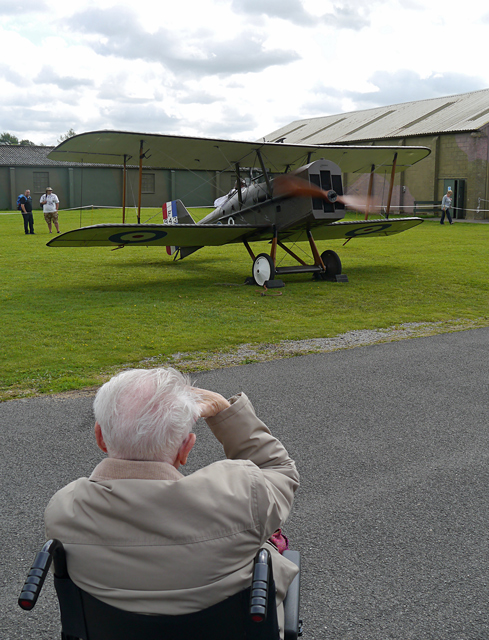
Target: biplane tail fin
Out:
[175,212]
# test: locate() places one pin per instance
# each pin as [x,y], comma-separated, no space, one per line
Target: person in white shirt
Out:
[50,205]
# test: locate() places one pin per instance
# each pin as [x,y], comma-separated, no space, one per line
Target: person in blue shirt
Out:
[26,210]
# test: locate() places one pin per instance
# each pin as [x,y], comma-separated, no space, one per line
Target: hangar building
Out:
[455,128]
[79,185]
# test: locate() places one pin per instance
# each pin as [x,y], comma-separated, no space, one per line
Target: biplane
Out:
[284,194]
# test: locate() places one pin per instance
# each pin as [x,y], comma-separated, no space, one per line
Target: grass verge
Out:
[72,317]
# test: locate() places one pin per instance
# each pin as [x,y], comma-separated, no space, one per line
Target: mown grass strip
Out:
[72,316]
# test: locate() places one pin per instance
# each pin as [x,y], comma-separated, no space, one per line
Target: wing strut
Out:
[238,184]
[369,192]
[124,178]
[264,171]
[140,187]
[391,185]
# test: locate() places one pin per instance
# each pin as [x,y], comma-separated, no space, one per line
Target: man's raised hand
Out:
[211,403]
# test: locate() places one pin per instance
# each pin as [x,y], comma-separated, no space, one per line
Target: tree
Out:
[8,138]
[69,134]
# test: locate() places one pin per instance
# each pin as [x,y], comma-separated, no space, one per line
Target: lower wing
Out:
[212,235]
[353,229]
[179,235]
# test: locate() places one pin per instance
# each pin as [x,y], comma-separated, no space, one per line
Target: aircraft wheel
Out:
[263,269]
[332,263]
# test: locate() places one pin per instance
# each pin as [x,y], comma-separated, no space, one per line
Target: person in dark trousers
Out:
[446,203]
[26,210]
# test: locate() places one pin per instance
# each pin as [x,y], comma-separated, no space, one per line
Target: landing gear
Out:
[332,265]
[327,266]
[263,269]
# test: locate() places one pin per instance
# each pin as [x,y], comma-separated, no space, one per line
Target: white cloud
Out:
[227,68]
[21,7]
[118,32]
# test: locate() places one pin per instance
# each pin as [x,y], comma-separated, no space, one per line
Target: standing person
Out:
[26,210]
[50,205]
[446,203]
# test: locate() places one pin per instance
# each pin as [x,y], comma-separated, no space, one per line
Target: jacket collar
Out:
[115,469]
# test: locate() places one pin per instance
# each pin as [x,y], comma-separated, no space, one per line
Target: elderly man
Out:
[143,537]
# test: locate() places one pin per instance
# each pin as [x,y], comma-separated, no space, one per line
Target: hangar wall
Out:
[102,186]
[456,159]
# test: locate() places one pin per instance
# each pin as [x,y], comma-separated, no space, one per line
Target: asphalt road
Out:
[392,516]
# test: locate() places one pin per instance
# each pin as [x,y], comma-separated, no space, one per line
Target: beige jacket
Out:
[145,538]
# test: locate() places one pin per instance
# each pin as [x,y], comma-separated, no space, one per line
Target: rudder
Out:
[175,212]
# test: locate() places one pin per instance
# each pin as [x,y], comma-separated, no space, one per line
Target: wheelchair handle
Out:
[38,572]
[260,585]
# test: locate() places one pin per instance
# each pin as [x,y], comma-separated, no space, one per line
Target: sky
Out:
[233,69]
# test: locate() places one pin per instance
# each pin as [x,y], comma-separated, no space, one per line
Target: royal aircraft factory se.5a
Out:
[292,193]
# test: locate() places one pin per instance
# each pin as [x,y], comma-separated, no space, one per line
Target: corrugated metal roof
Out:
[451,114]
[24,156]
[33,156]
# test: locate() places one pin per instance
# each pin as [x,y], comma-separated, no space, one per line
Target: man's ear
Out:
[99,438]
[185,448]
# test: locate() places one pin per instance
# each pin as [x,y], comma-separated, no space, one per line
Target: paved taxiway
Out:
[392,517]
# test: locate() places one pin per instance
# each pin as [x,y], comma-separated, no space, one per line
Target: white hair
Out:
[146,414]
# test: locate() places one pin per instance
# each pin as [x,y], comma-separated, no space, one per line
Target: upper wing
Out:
[209,154]
[178,235]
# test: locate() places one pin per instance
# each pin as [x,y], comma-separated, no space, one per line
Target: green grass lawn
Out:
[73,316]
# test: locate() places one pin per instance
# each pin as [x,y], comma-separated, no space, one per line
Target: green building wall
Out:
[102,186]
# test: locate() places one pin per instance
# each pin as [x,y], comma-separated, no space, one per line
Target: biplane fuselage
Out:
[258,204]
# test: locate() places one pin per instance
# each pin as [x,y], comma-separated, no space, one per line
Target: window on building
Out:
[148,183]
[41,181]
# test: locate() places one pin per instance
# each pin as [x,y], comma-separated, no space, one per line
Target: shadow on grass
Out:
[200,275]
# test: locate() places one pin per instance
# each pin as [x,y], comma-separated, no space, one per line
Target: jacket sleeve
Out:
[245,437]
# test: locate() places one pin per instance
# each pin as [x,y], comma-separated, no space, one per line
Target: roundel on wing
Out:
[137,237]
[367,230]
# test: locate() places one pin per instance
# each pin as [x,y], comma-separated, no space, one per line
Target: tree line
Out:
[9,139]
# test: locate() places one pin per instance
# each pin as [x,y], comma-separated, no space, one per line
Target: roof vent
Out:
[479,115]
[428,115]
[328,126]
[367,124]
[287,133]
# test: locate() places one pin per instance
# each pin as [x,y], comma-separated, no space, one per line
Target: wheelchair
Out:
[250,614]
